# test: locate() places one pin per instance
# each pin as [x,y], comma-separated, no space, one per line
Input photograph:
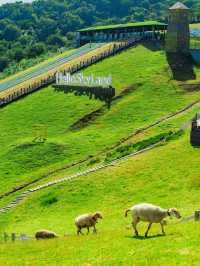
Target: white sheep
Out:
[152,214]
[45,234]
[87,221]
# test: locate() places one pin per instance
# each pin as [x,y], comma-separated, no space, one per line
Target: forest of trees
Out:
[29,30]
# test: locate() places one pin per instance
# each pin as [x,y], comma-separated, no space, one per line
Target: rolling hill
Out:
[82,134]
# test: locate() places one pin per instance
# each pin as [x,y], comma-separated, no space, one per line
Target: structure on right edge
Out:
[195,131]
[178,35]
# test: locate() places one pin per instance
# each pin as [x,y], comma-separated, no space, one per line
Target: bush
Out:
[35,50]
[49,201]
[56,40]
[4,62]
[138,146]
[11,33]
[18,54]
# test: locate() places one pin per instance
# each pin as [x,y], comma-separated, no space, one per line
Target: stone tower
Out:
[178,34]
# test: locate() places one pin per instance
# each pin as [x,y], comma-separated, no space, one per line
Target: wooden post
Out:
[5,236]
[13,237]
[197,216]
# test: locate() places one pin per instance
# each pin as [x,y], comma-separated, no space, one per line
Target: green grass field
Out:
[19,157]
[112,191]
[167,175]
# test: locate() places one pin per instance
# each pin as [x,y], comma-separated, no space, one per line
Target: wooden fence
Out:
[13,237]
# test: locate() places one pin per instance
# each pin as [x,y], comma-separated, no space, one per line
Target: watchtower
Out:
[178,34]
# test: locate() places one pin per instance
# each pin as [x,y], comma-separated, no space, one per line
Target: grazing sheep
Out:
[45,234]
[152,214]
[87,221]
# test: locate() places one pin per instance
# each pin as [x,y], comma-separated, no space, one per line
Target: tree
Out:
[56,40]
[71,36]
[70,22]
[18,54]
[11,33]
[4,23]
[50,24]
[3,63]
[45,28]
[35,50]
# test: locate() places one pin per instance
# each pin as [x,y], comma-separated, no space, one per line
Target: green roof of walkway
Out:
[128,25]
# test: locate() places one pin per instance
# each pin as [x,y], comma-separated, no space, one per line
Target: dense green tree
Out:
[4,23]
[18,54]
[3,63]
[27,30]
[56,40]
[35,49]
[11,32]
[46,27]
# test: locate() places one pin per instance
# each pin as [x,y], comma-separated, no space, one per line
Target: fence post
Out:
[197,216]
[13,237]
[5,237]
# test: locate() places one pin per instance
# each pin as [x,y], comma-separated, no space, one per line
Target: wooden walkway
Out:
[38,80]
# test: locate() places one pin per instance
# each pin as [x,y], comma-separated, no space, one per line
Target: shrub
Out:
[49,201]
[138,146]
[4,62]
[35,50]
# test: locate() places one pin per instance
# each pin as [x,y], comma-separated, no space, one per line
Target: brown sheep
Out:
[45,234]
[87,221]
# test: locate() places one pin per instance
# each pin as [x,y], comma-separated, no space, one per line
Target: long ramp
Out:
[49,66]
[14,88]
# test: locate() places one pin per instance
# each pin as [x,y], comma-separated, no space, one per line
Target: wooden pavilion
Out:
[137,31]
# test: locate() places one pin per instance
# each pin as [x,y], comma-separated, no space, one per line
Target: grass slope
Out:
[112,191]
[142,68]
[168,175]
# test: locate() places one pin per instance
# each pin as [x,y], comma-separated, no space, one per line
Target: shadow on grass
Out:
[145,238]
[181,66]
[154,46]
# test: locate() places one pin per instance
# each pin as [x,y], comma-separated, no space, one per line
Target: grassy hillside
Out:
[144,71]
[167,175]
[112,191]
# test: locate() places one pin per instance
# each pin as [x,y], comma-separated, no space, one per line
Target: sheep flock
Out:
[141,212]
